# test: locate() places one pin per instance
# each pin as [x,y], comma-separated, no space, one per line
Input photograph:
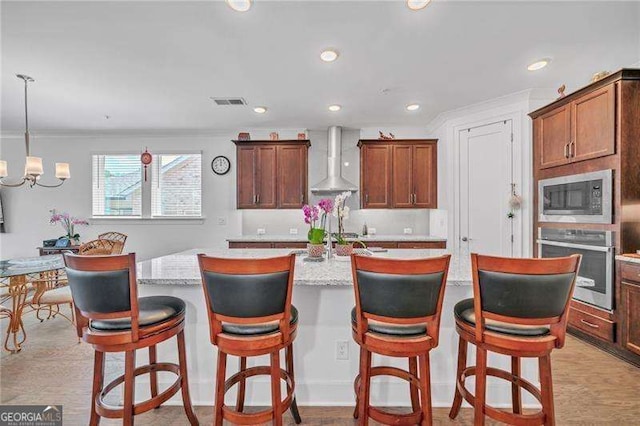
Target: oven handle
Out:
[576,246]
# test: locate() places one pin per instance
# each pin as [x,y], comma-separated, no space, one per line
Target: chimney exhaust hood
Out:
[334,181]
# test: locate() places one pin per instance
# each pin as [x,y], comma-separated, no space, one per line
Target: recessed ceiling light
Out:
[538,65]
[417,4]
[329,55]
[239,5]
[334,108]
[413,107]
[260,109]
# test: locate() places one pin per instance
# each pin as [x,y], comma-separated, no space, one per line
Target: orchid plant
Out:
[313,214]
[68,223]
[341,211]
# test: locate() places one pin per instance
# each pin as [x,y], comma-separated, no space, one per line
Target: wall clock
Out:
[220,165]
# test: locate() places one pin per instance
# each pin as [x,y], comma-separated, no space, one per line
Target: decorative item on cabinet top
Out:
[244,136]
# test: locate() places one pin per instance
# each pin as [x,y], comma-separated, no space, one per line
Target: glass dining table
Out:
[17,278]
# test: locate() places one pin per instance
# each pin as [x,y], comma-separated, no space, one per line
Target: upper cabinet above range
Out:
[272,174]
[581,126]
[398,173]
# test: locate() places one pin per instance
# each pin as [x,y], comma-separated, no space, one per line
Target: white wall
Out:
[446,126]
[27,210]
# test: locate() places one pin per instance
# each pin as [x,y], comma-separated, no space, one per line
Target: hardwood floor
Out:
[591,387]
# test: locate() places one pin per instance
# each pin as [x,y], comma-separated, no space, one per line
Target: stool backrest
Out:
[400,291]
[103,287]
[247,291]
[524,291]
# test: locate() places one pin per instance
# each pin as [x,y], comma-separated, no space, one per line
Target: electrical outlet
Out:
[342,350]
[222,221]
[408,230]
[371,231]
[293,231]
[262,231]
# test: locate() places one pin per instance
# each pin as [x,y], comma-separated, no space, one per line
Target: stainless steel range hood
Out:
[334,181]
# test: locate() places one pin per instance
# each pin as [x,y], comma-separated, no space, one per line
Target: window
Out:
[173,187]
[117,185]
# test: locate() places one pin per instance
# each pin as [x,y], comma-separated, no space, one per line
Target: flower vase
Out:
[315,250]
[344,249]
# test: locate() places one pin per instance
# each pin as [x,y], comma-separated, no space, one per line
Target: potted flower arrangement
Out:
[68,223]
[313,214]
[341,211]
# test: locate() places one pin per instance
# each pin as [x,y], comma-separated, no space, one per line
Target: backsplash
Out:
[386,222]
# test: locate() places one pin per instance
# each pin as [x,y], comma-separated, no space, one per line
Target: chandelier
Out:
[33,165]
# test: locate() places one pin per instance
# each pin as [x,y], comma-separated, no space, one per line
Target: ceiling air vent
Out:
[229,101]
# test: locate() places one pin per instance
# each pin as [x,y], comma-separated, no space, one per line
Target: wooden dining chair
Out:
[97,248]
[118,239]
[250,314]
[111,317]
[519,309]
[397,314]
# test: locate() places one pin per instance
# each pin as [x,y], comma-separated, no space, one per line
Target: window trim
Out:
[146,208]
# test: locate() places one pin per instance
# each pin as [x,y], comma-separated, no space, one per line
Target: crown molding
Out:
[138,133]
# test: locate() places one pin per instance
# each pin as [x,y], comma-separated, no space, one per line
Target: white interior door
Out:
[486,174]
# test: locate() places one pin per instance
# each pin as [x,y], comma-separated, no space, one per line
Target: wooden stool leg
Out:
[242,365]
[425,389]
[275,388]
[220,378]
[413,391]
[356,409]
[516,394]
[98,380]
[129,387]
[365,379]
[462,364]
[294,405]
[184,381]
[153,375]
[546,389]
[481,386]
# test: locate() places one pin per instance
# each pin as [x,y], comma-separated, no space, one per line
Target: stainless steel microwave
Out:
[583,198]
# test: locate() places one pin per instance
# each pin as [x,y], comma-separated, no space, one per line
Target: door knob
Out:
[465,239]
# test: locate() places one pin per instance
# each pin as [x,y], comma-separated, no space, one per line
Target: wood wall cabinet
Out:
[580,130]
[272,174]
[596,128]
[398,173]
[375,176]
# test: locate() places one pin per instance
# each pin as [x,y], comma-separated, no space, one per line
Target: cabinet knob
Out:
[465,239]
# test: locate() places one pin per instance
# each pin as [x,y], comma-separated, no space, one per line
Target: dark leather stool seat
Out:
[257,329]
[152,310]
[390,329]
[464,311]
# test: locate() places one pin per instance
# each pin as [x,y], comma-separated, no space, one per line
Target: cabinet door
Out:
[375,176]
[401,182]
[266,177]
[593,121]
[292,176]
[631,319]
[553,137]
[425,176]
[247,159]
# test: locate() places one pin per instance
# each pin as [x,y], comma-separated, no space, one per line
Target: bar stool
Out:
[111,318]
[523,305]
[250,314]
[397,314]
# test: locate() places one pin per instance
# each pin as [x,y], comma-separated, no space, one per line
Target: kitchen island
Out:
[323,294]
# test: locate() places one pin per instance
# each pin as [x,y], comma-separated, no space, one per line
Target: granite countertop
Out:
[181,269]
[629,259]
[302,238]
